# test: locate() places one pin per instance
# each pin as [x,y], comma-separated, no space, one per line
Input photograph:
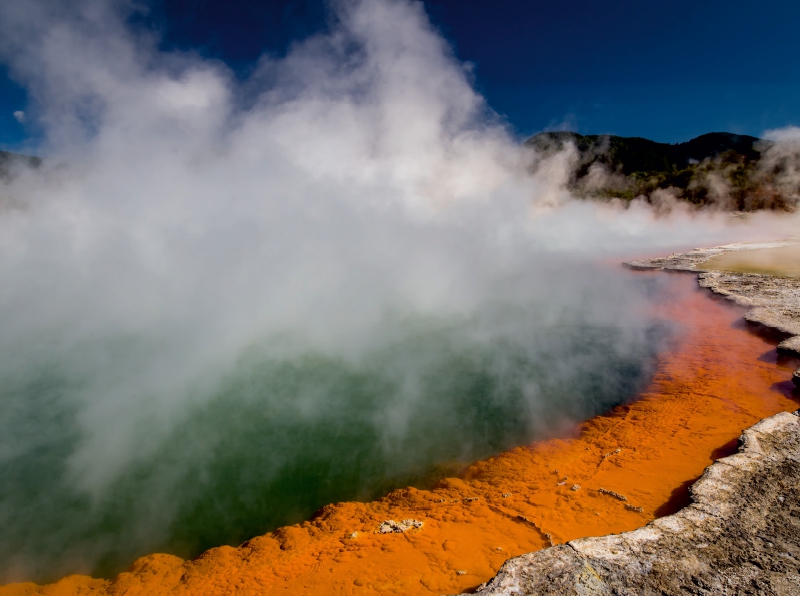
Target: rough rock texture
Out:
[392,527]
[740,535]
[790,346]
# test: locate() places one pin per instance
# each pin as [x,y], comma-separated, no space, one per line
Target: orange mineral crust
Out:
[618,472]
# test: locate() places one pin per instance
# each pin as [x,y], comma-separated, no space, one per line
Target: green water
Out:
[277,438]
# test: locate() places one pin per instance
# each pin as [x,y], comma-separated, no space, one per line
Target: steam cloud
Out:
[350,223]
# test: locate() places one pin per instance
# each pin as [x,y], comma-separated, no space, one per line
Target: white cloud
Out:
[19,115]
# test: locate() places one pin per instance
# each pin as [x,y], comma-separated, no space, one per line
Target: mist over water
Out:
[278,436]
[225,304]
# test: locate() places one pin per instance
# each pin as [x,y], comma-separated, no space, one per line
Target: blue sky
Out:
[666,70]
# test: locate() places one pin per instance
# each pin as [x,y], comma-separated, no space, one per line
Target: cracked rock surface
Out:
[740,535]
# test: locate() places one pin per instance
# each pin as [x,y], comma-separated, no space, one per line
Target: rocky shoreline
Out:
[741,533]
[774,301]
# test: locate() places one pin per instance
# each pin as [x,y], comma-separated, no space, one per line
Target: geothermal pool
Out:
[712,380]
[287,429]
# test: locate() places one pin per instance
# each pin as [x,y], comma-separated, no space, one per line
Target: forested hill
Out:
[10,160]
[635,154]
[737,172]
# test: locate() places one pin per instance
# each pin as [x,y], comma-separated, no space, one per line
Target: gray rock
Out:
[393,527]
[791,346]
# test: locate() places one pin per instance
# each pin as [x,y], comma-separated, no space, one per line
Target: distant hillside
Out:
[719,168]
[8,161]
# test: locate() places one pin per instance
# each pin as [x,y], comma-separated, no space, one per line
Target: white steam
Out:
[365,176]
[782,160]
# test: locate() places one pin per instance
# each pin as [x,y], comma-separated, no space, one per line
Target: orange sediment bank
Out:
[618,472]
